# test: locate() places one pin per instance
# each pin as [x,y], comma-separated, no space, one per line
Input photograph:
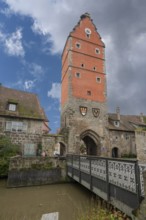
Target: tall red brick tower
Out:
[83,98]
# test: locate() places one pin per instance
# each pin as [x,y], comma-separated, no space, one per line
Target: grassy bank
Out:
[99,211]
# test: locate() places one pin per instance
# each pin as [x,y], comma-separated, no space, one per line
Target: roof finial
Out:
[118,112]
[85,15]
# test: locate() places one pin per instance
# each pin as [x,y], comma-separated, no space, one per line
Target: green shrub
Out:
[7,150]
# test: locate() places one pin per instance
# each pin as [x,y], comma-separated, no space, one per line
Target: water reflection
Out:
[30,203]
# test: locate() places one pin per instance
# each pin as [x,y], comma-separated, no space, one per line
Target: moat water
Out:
[30,203]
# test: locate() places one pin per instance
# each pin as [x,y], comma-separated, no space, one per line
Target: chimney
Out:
[118,113]
[141,118]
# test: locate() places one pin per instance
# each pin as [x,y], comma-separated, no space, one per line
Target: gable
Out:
[86,26]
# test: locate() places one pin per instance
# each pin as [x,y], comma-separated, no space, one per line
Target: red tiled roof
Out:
[126,123]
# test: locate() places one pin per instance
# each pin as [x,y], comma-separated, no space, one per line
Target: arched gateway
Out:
[91,143]
[83,89]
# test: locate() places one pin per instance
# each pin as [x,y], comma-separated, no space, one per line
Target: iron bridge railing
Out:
[111,179]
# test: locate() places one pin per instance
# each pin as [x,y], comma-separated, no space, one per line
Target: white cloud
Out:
[120,23]
[29,84]
[13,43]
[50,18]
[55,91]
[36,70]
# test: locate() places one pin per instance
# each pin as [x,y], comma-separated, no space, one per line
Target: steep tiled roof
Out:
[28,105]
[126,122]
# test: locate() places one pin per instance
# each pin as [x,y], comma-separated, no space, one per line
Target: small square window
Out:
[12,107]
[78,75]
[97,51]
[78,45]
[98,79]
[89,93]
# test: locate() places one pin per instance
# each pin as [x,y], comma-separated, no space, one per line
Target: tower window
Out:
[88,32]
[78,45]
[89,92]
[82,65]
[78,75]
[98,79]
[97,51]
[94,68]
[88,35]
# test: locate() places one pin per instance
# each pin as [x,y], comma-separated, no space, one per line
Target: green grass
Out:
[98,212]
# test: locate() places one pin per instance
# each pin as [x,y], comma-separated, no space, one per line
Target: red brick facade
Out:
[83,60]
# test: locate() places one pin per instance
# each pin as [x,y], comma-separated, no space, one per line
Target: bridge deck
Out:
[116,181]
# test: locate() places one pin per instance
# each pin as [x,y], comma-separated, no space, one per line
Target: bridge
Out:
[117,181]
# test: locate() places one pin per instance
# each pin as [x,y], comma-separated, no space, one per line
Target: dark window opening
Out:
[78,75]
[89,93]
[78,45]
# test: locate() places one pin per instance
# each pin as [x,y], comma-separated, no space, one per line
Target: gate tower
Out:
[83,91]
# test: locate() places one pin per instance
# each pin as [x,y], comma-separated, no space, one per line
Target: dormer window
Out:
[116,123]
[12,107]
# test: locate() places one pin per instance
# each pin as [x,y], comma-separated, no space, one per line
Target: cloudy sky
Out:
[33,34]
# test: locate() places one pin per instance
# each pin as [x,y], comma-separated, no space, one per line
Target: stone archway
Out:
[115,152]
[91,142]
[62,149]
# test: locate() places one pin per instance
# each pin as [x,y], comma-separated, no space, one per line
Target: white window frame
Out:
[16,126]
[12,107]
[116,124]
[98,79]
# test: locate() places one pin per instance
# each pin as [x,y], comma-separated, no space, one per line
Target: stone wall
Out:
[29,142]
[77,124]
[36,171]
[50,141]
[140,138]
[124,141]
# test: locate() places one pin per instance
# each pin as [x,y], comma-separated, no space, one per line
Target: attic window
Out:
[88,32]
[88,35]
[12,107]
[116,123]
